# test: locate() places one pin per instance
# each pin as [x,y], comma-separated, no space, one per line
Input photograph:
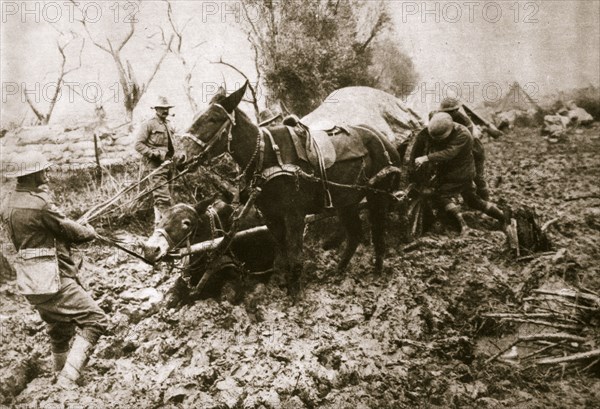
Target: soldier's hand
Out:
[421,160]
[158,155]
[179,159]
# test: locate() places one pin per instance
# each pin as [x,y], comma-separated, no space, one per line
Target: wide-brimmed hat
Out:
[266,117]
[449,104]
[162,102]
[440,125]
[24,164]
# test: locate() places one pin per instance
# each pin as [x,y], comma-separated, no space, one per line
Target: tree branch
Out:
[252,89]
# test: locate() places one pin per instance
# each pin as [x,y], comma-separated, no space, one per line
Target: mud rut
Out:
[412,337]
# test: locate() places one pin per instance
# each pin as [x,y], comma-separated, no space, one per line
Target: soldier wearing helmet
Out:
[269,118]
[452,107]
[46,272]
[449,147]
[155,143]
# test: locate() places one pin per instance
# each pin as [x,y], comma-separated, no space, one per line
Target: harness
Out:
[281,169]
[186,238]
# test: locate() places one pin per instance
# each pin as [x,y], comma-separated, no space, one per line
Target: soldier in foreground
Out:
[448,146]
[46,272]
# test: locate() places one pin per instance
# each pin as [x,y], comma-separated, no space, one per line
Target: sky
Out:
[473,49]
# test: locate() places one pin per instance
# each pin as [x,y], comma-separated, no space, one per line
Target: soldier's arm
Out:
[455,146]
[141,143]
[64,228]
[418,148]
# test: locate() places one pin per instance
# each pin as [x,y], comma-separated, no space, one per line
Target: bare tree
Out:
[44,117]
[176,48]
[254,100]
[133,90]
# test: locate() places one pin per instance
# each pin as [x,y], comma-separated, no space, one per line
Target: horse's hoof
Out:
[295,291]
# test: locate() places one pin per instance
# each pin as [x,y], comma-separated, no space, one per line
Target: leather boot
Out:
[59,359]
[454,211]
[76,360]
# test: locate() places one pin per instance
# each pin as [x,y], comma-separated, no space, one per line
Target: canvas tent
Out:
[517,99]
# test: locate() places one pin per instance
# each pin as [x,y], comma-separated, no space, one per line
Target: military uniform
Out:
[478,150]
[155,143]
[452,157]
[36,226]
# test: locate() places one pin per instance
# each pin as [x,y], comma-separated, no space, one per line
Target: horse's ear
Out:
[202,205]
[232,101]
[219,95]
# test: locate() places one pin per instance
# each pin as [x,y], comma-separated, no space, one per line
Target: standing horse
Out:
[287,194]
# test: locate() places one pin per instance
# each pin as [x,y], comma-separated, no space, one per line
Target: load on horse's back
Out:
[290,187]
[371,107]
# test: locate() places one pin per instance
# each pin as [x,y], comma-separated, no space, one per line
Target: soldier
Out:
[452,107]
[267,117]
[451,152]
[155,143]
[46,272]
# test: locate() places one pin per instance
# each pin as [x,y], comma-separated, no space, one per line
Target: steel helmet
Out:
[440,125]
[449,104]
[266,117]
[25,163]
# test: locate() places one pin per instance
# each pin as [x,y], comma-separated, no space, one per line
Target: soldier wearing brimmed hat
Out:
[452,107]
[449,147]
[267,117]
[46,272]
[155,144]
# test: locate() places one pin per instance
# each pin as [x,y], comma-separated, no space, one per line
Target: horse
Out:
[287,192]
[183,225]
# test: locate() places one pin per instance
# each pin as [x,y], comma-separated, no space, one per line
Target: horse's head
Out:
[177,225]
[211,127]
[205,221]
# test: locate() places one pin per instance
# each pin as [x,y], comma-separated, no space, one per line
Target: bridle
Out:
[214,220]
[229,122]
[186,238]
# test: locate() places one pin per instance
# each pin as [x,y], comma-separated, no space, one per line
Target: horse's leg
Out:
[294,230]
[378,206]
[276,226]
[349,216]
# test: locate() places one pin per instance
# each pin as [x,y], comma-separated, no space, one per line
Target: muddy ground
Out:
[412,337]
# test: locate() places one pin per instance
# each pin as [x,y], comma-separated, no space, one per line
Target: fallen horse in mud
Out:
[206,274]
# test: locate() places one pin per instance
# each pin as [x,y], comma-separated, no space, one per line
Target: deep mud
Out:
[412,337]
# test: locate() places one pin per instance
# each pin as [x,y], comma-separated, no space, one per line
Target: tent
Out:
[517,99]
